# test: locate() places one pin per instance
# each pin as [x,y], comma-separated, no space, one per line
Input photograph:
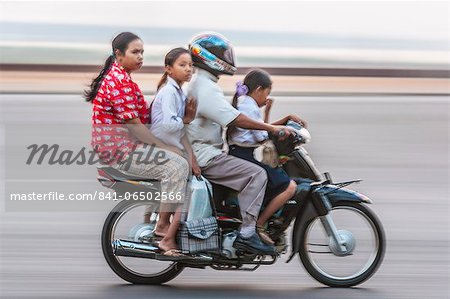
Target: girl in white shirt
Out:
[170,112]
[250,96]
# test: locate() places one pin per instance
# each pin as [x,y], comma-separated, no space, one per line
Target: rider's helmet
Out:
[213,53]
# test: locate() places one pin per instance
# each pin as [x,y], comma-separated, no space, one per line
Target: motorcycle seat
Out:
[120,176]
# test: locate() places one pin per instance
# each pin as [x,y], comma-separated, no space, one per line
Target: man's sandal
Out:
[264,236]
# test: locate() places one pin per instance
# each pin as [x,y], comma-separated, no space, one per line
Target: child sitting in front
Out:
[250,96]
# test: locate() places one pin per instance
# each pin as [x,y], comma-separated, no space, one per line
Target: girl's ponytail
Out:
[90,94]
[235,100]
[162,80]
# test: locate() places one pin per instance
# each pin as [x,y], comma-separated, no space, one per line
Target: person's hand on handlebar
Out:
[298,120]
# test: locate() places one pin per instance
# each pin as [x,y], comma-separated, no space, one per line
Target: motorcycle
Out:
[339,240]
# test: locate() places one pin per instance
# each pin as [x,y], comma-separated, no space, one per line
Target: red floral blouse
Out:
[118,99]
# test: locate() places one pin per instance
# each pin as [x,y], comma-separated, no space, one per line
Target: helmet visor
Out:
[228,56]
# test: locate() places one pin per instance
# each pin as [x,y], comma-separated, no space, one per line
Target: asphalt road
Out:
[398,145]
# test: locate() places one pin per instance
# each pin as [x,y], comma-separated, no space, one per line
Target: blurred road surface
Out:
[398,145]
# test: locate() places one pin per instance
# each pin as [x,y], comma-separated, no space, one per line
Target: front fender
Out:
[335,194]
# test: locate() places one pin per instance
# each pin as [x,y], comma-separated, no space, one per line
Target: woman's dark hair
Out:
[120,42]
[169,60]
[254,79]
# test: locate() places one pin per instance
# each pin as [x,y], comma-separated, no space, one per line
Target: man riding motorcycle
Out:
[213,56]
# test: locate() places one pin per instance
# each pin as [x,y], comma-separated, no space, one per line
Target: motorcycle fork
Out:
[328,225]
[332,231]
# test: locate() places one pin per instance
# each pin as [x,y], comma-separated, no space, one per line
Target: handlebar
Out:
[297,135]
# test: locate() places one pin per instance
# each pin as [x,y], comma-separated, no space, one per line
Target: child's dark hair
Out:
[254,79]
[120,42]
[169,60]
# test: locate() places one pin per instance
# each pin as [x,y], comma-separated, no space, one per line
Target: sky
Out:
[420,20]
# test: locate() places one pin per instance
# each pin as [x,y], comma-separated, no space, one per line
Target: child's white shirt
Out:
[244,137]
[167,114]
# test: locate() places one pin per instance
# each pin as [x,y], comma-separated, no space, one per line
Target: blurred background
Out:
[370,77]
[53,47]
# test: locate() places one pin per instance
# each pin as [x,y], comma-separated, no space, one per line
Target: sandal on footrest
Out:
[264,236]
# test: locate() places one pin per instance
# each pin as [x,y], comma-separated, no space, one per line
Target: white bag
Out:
[200,206]
[269,154]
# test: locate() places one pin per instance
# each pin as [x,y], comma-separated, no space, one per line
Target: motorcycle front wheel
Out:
[122,221]
[365,241]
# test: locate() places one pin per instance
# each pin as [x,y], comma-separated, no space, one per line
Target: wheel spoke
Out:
[128,227]
[315,244]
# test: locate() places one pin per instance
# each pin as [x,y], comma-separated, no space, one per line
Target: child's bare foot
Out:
[161,230]
[167,244]
[147,218]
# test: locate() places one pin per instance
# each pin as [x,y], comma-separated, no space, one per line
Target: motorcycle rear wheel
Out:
[165,272]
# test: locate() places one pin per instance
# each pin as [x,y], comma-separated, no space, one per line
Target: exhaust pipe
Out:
[134,249]
[142,250]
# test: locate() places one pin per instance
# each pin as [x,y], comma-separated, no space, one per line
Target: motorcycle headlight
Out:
[302,134]
[305,135]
